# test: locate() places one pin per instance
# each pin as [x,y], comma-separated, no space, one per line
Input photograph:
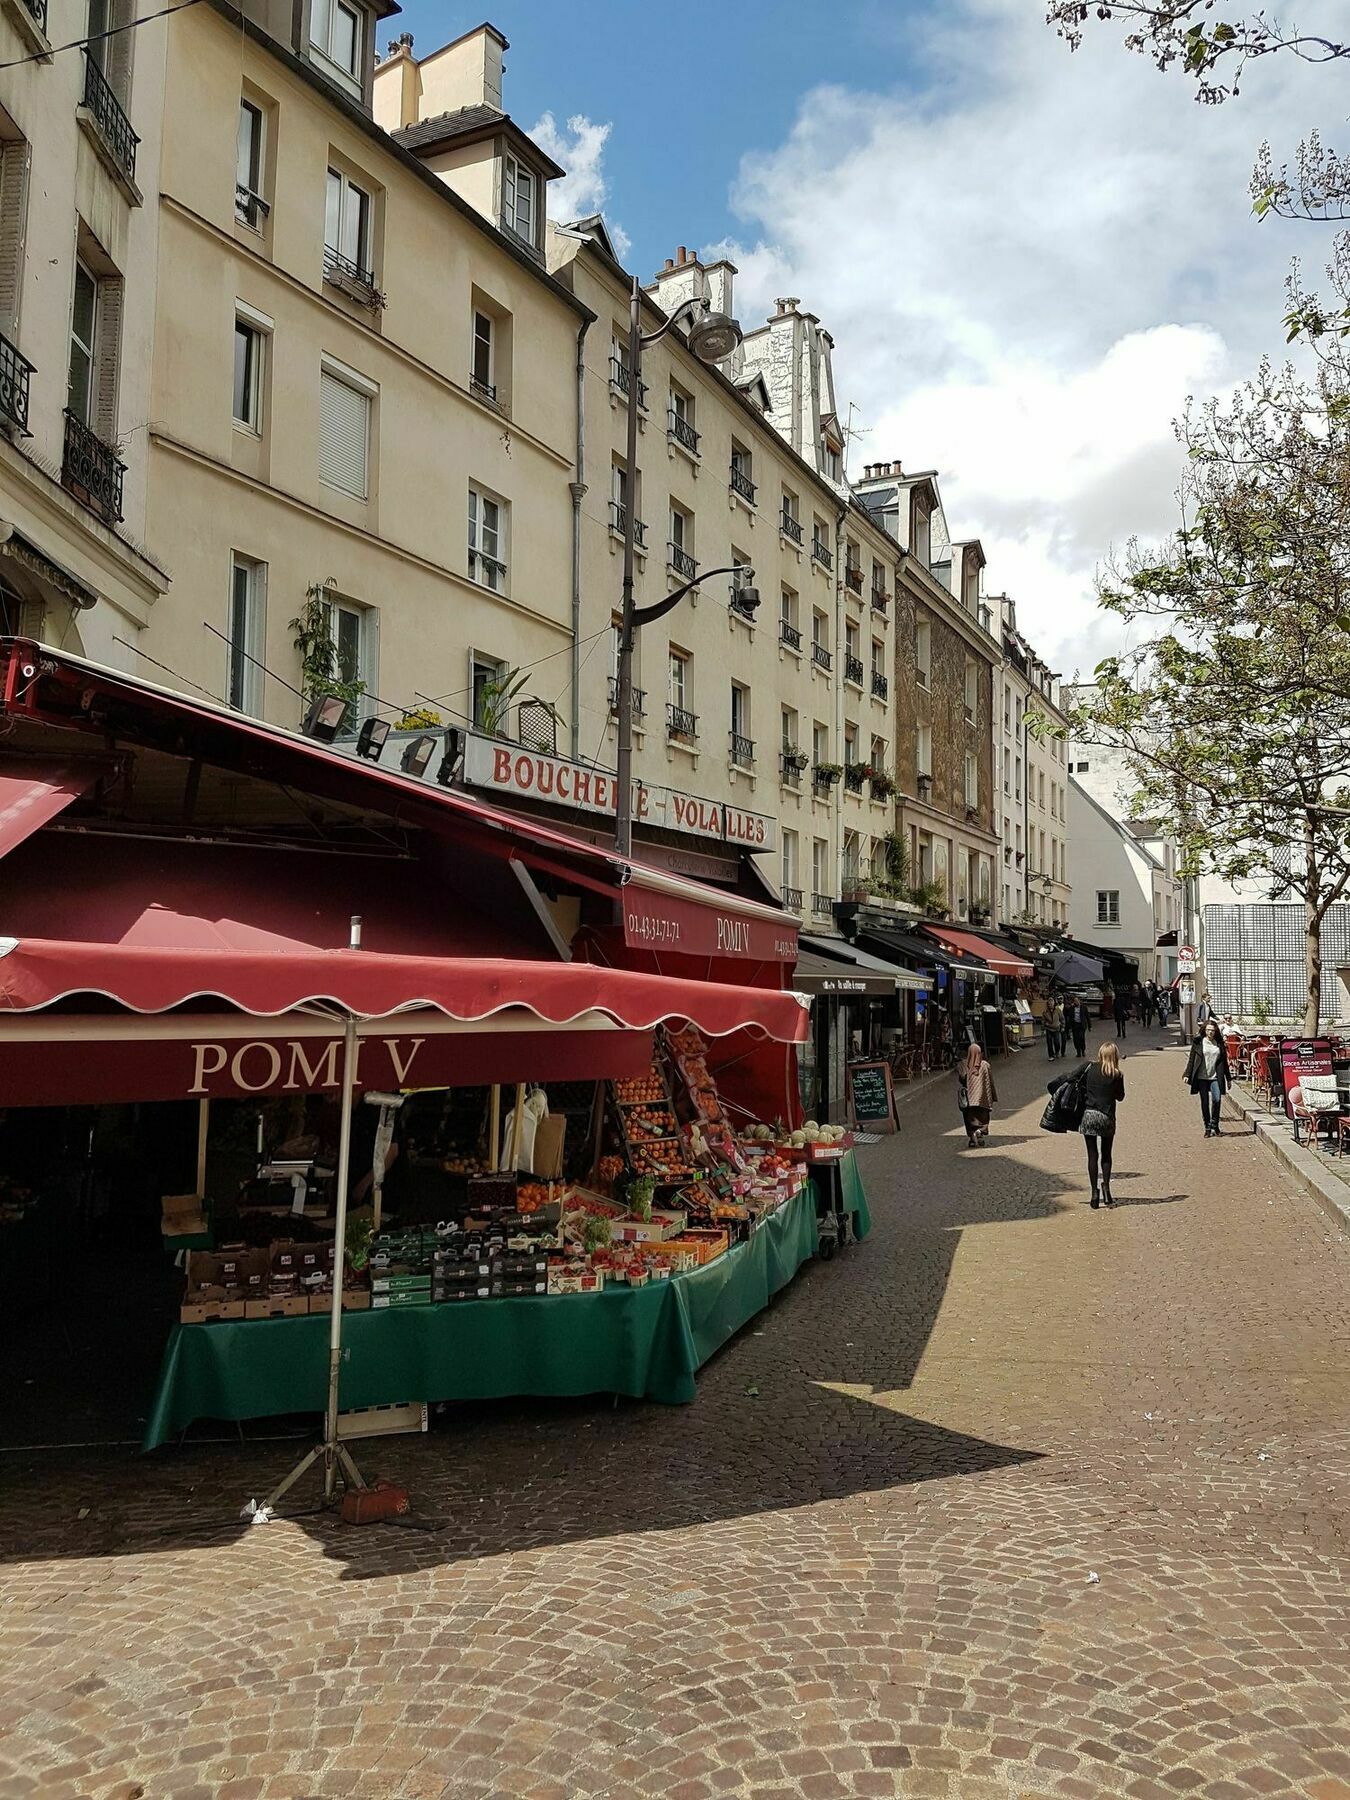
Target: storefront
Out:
[222,940]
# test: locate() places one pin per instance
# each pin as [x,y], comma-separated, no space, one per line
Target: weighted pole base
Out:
[335,1458]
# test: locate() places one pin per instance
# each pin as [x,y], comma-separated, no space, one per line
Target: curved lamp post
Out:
[713,337]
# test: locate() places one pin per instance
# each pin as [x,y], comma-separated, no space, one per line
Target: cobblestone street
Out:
[1017,1498]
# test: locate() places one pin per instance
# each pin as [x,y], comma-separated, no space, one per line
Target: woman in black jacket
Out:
[1103,1088]
[1207,1074]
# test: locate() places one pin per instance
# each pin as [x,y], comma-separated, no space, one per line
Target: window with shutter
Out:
[13,223]
[344,435]
[83,325]
[109,354]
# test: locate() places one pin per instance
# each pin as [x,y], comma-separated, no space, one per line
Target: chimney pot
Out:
[682,256]
[670,262]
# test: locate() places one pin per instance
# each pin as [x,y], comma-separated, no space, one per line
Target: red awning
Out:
[38,972]
[965,943]
[32,793]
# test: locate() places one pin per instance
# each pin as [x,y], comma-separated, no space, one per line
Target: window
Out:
[1081,767]
[682,420]
[487,678]
[518,208]
[877,759]
[487,541]
[790,860]
[482,377]
[337,32]
[788,716]
[923,652]
[346,229]
[679,678]
[742,473]
[830,460]
[972,779]
[923,533]
[820,742]
[1007,709]
[852,859]
[248,591]
[1017,778]
[787,608]
[742,744]
[878,657]
[249,206]
[852,644]
[1040,788]
[681,547]
[972,689]
[850,746]
[1108,906]
[923,751]
[352,629]
[344,434]
[84,322]
[820,626]
[820,867]
[789,519]
[248,374]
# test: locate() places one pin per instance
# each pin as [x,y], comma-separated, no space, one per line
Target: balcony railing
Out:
[793,761]
[618,521]
[681,561]
[343,273]
[821,657]
[113,124]
[15,371]
[881,687]
[621,377]
[741,484]
[792,899]
[92,470]
[639,698]
[821,553]
[788,634]
[822,905]
[855,777]
[680,723]
[853,669]
[489,571]
[790,527]
[683,432]
[485,390]
[37,12]
[742,751]
[853,579]
[881,600]
[249,208]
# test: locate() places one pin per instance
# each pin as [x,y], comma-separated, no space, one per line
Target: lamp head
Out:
[370,740]
[747,601]
[323,719]
[713,337]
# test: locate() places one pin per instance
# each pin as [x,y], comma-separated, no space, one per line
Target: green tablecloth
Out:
[643,1342]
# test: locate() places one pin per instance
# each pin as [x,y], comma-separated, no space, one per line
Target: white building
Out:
[1031,777]
[1125,892]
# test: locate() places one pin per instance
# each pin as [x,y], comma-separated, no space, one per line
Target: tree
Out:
[1234,698]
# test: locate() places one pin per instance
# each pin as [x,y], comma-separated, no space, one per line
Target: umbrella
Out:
[1071,968]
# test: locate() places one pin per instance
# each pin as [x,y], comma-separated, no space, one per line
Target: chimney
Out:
[467,72]
[721,276]
[682,278]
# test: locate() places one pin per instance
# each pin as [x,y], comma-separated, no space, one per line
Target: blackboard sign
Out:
[871,1095]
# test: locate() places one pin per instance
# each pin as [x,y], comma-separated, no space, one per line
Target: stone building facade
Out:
[1032,768]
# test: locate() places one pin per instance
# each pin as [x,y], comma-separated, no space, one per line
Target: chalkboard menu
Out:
[871,1095]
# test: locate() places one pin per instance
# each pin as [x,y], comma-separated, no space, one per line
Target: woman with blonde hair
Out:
[975,1094]
[1103,1088]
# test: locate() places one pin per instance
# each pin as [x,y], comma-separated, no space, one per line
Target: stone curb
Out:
[1330,1192]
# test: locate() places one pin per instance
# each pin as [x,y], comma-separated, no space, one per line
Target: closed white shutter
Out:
[13,216]
[344,435]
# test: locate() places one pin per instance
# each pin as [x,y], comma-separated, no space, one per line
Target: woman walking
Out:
[975,1095]
[1207,1074]
[1103,1089]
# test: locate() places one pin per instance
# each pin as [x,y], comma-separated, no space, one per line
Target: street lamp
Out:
[713,337]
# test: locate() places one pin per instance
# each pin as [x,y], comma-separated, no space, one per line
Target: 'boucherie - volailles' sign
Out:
[511,769]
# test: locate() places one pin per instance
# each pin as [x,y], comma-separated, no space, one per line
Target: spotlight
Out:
[445,774]
[417,755]
[371,737]
[324,719]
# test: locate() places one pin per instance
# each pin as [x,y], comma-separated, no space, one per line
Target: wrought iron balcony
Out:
[343,273]
[881,687]
[683,432]
[742,751]
[639,698]
[684,565]
[792,899]
[853,669]
[881,600]
[741,484]
[821,553]
[822,905]
[113,124]
[788,634]
[793,761]
[821,657]
[485,390]
[855,777]
[618,520]
[92,470]
[490,571]
[853,578]
[249,208]
[15,371]
[790,527]
[621,377]
[680,723]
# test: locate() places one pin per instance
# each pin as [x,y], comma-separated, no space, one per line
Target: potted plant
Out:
[882,784]
[321,670]
[827,773]
[793,758]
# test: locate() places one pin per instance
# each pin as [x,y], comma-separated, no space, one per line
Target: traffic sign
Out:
[1186,959]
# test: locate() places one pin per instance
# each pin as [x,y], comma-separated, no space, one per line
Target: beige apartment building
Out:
[79,154]
[1031,760]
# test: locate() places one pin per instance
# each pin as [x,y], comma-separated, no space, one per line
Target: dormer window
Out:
[337,31]
[518,199]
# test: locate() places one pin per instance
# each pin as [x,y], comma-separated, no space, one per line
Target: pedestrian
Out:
[1207,1074]
[1205,1011]
[975,1095]
[1054,1028]
[1103,1089]
[1076,1018]
[1164,1008]
[1150,1001]
[1121,1009]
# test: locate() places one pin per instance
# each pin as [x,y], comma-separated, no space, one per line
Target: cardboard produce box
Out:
[277,1306]
[182,1215]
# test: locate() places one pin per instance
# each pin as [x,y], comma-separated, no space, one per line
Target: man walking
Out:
[1076,1019]
[1121,1010]
[1054,1028]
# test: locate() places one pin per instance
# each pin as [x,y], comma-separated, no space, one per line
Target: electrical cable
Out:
[97,36]
[187,682]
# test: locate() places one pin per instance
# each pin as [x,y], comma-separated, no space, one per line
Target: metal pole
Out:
[623,696]
[330,1424]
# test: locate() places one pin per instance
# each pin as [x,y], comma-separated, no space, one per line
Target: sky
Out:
[1027,258]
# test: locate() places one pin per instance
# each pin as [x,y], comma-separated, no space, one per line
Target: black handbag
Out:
[1067,1103]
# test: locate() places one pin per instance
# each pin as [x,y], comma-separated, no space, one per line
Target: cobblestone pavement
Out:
[1015,1499]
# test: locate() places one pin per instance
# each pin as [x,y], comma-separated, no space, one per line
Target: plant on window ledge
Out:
[882,784]
[320,667]
[828,773]
[890,869]
[419,718]
[931,898]
[495,700]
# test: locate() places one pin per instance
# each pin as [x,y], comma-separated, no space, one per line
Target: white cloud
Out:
[580,150]
[1027,260]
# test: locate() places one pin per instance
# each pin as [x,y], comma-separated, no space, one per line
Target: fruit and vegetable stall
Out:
[644,1226]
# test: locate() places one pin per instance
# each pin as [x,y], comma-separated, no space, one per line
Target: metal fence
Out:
[1255,953]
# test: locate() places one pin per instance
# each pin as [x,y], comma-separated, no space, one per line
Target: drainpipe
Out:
[577,489]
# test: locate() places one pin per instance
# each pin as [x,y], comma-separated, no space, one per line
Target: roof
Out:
[467,125]
[1121,830]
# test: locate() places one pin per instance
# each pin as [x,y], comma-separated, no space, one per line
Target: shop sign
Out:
[844,984]
[1300,1057]
[512,769]
[656,921]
